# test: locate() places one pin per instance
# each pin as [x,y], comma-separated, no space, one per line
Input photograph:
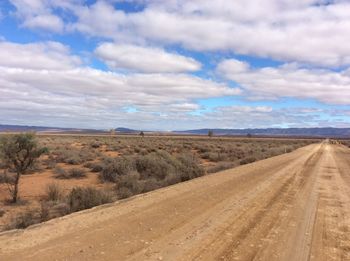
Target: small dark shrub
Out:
[94,166]
[58,171]
[152,184]
[53,209]
[25,219]
[84,198]
[170,179]
[247,160]
[74,173]
[73,160]
[220,166]
[95,145]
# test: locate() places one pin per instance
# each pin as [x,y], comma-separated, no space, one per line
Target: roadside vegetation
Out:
[72,173]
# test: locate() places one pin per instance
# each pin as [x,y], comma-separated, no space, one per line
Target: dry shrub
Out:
[220,166]
[112,168]
[189,167]
[156,170]
[53,209]
[152,184]
[247,160]
[53,192]
[25,219]
[156,165]
[129,185]
[69,156]
[84,198]
[95,145]
[94,166]
[74,173]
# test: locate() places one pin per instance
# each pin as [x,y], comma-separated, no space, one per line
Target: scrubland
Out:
[81,172]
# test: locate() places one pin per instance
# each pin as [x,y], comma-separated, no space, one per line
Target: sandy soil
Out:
[291,207]
[33,188]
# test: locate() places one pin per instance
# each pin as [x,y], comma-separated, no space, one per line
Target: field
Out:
[117,167]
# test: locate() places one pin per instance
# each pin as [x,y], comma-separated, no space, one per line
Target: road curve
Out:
[294,206]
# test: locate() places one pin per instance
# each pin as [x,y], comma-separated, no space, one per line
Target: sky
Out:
[175,64]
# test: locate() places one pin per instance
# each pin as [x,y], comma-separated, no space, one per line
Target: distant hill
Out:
[300,132]
[312,132]
[126,130]
[21,128]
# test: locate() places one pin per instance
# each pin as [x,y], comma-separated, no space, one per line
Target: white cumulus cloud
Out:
[44,82]
[304,31]
[290,80]
[144,59]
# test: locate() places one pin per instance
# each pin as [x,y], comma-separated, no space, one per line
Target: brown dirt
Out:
[33,187]
[294,206]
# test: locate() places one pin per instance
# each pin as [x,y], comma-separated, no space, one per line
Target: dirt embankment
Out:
[291,207]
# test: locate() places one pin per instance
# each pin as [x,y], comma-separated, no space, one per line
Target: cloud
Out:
[256,117]
[309,31]
[42,14]
[55,86]
[231,66]
[57,89]
[43,55]
[306,31]
[47,22]
[144,59]
[116,89]
[290,80]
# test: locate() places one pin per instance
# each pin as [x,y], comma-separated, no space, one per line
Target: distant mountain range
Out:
[312,132]
[301,132]
[126,130]
[21,128]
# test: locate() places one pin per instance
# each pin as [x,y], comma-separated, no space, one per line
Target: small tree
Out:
[142,134]
[210,133]
[18,153]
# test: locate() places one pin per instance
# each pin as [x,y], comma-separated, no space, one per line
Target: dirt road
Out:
[291,207]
